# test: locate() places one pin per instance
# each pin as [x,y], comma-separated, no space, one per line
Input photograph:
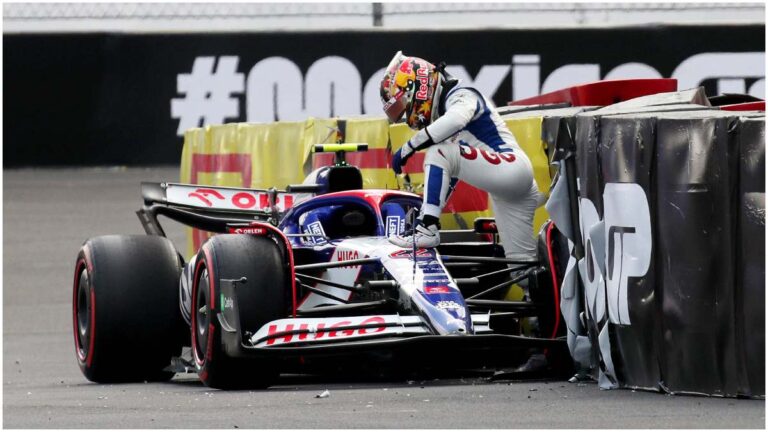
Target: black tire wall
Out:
[695,321]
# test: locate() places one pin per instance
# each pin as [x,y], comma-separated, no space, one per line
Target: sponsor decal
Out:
[394,225]
[324,330]
[439,279]
[448,305]
[227,198]
[203,194]
[226,302]
[315,228]
[213,89]
[347,255]
[431,267]
[425,260]
[440,289]
[255,230]
[408,254]
[421,77]
[627,249]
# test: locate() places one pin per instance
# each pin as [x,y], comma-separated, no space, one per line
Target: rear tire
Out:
[125,308]
[263,298]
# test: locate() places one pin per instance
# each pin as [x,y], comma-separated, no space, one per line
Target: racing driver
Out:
[464,139]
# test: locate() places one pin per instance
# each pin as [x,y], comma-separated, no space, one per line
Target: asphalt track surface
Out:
[49,213]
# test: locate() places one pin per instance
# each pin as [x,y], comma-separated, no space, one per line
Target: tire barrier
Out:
[665,289]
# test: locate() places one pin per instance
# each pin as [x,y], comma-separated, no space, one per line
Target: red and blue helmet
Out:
[409,88]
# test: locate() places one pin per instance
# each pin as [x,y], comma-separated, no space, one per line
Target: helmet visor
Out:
[395,106]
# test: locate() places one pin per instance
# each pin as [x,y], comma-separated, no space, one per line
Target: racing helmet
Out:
[409,88]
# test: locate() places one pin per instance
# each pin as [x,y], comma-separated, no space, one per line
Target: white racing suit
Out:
[473,144]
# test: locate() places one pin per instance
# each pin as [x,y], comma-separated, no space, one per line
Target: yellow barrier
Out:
[317,131]
[249,155]
[277,154]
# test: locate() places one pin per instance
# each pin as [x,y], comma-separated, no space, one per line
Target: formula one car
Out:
[301,278]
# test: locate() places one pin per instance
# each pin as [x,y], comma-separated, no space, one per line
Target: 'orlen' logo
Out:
[339,329]
[248,230]
[247,200]
[203,194]
[241,200]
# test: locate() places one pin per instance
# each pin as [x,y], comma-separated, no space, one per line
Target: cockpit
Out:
[363,213]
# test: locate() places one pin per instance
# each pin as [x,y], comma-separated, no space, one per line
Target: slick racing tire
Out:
[261,299]
[125,308]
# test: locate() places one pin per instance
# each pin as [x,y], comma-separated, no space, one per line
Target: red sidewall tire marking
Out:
[200,361]
[84,263]
[79,267]
[208,354]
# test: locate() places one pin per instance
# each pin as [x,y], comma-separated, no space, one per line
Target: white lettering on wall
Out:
[570,75]
[276,89]
[627,244]
[727,66]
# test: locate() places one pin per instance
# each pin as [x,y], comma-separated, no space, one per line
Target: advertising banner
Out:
[126,99]
[626,150]
[673,289]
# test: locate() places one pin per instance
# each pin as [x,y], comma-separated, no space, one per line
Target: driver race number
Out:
[471,153]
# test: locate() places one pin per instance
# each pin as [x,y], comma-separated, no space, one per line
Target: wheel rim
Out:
[83,314]
[202,320]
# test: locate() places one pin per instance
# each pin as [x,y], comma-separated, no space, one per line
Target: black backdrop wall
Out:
[88,99]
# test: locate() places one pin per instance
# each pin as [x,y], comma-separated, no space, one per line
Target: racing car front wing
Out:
[312,331]
[362,335]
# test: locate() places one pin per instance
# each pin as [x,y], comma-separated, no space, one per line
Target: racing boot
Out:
[424,236]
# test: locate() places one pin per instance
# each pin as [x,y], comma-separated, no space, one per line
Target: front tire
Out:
[125,309]
[263,298]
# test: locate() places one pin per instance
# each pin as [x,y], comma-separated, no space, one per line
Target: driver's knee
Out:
[444,156]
